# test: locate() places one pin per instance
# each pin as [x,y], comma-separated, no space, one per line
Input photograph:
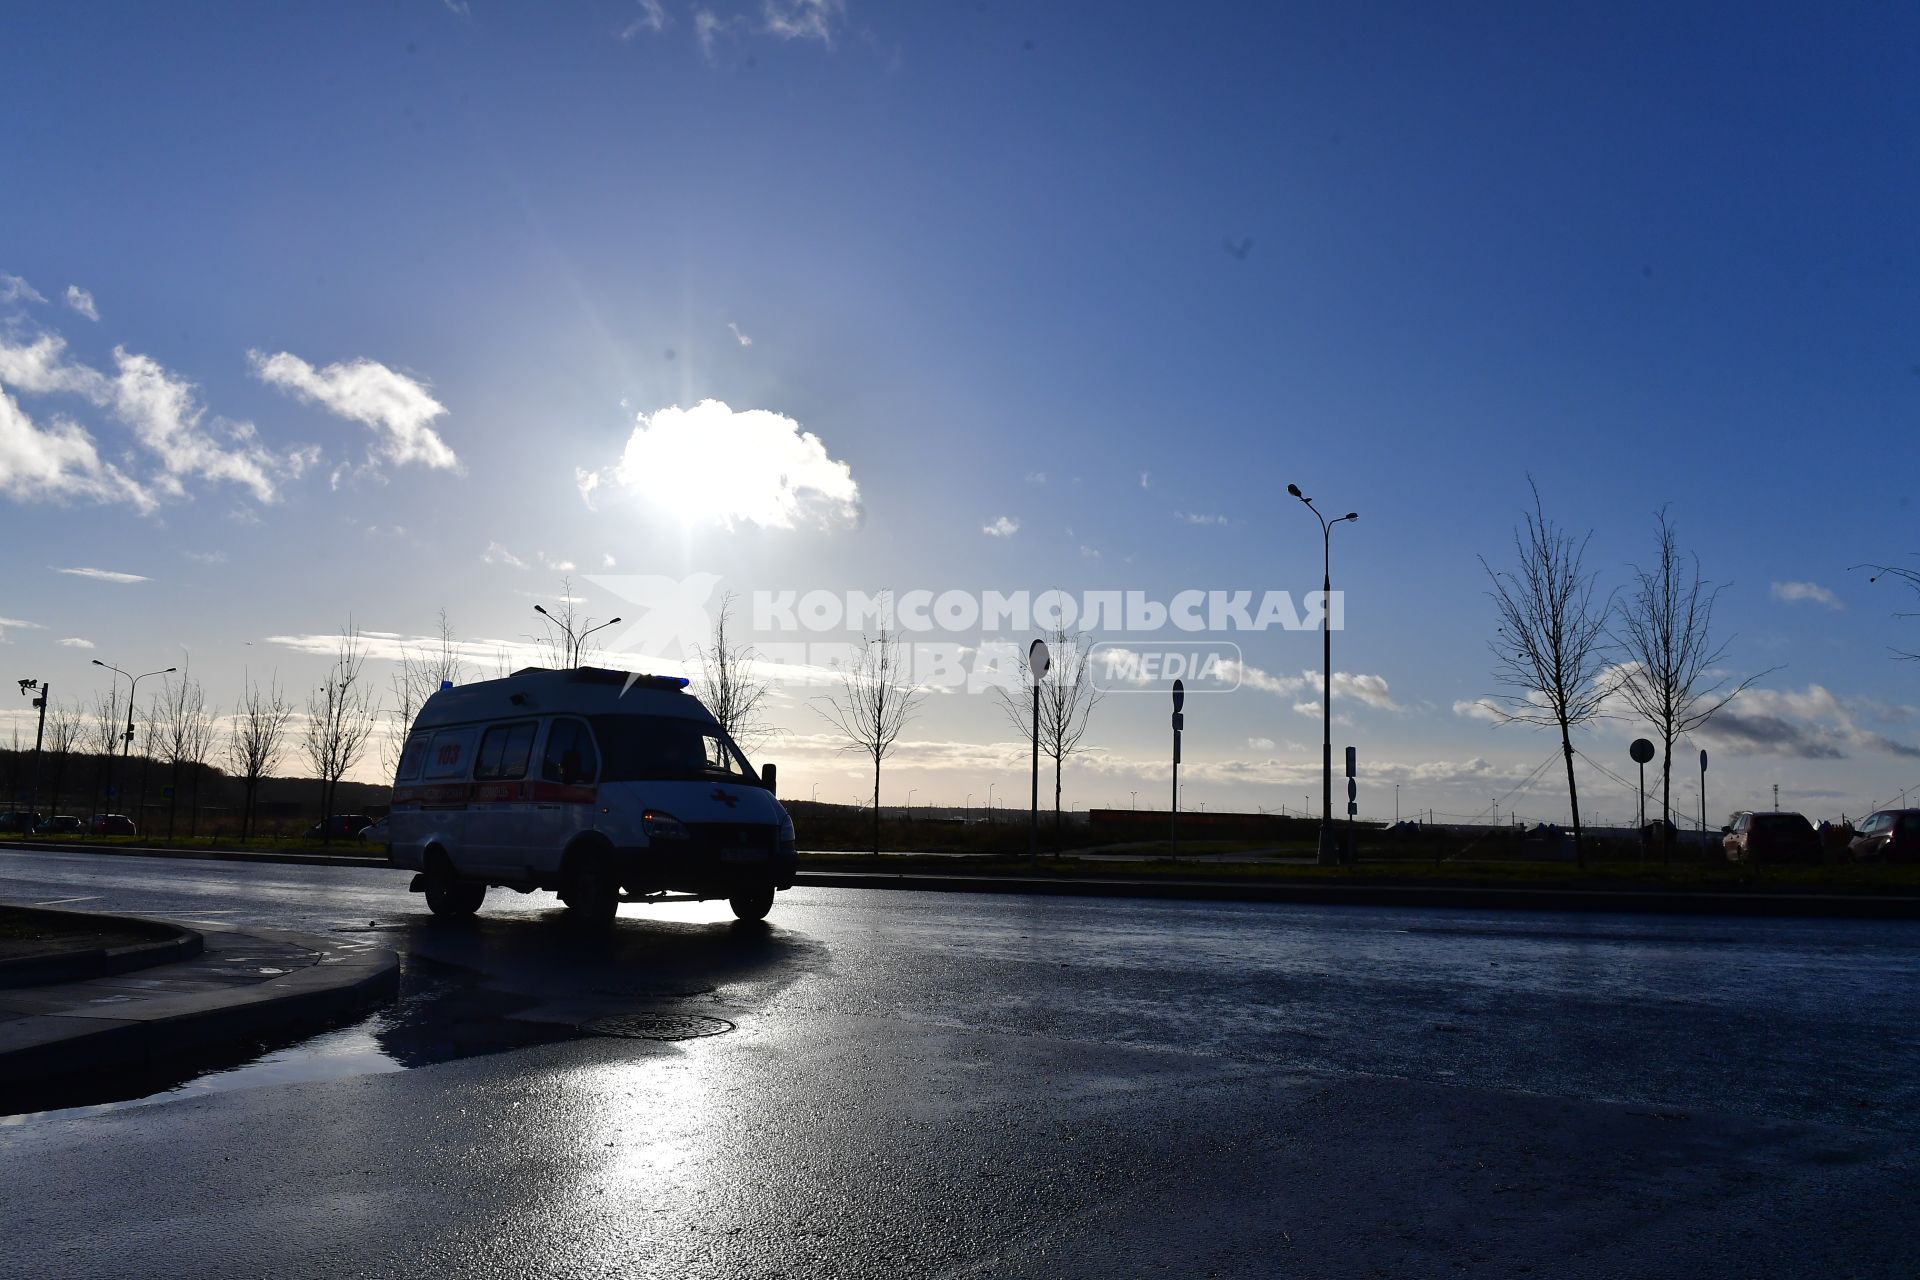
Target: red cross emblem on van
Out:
[725,797]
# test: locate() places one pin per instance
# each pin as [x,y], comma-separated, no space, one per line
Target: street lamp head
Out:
[540,608]
[98,663]
[1351,515]
[1294,489]
[169,671]
[609,622]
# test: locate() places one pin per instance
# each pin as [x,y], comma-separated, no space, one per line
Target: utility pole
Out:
[39,735]
[1038,660]
[1179,723]
[1776,797]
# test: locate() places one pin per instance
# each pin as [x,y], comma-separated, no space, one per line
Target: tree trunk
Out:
[1666,804]
[876,805]
[173,798]
[1056,807]
[1573,798]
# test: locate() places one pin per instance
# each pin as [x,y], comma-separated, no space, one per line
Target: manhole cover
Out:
[658,1026]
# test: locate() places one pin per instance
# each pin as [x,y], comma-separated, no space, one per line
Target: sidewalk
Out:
[246,984]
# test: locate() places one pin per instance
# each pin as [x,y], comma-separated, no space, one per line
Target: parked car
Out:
[60,824]
[1891,835]
[377,833]
[341,826]
[19,821]
[113,824]
[1771,837]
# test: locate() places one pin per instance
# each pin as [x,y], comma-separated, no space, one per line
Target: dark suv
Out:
[341,826]
[60,824]
[1771,837]
[19,821]
[1891,835]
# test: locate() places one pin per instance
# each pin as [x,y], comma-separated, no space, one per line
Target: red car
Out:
[112,824]
[1891,835]
[1771,837]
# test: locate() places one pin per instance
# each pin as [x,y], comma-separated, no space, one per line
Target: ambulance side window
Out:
[570,756]
[504,752]
[451,753]
[412,756]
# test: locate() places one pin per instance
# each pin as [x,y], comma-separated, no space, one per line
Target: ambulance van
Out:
[599,785]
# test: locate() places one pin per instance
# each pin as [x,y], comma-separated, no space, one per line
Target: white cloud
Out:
[1004,527]
[14,289]
[1260,744]
[802,19]
[1369,690]
[739,337]
[1196,517]
[206,557]
[653,17]
[399,409]
[708,27]
[713,464]
[1089,553]
[1036,477]
[1811,724]
[1800,592]
[1146,479]
[554,563]
[57,462]
[40,368]
[82,301]
[75,642]
[105,575]
[161,409]
[497,554]
[1480,709]
[156,404]
[16,624]
[607,561]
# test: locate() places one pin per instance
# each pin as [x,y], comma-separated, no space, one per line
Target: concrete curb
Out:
[347,978]
[202,855]
[169,943]
[1669,902]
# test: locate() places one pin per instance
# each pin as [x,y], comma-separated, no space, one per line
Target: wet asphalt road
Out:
[961,1085]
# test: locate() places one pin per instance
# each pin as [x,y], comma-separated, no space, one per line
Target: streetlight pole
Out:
[1329,842]
[575,644]
[126,744]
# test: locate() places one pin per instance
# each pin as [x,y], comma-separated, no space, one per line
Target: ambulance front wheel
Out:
[752,904]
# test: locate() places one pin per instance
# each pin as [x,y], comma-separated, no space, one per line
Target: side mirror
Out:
[1726,831]
[769,776]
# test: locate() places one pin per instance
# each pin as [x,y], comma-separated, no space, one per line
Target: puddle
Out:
[442,1015]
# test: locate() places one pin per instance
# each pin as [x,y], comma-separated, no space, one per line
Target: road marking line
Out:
[54,902]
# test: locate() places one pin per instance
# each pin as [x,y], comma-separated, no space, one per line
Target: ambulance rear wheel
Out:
[450,897]
[752,904]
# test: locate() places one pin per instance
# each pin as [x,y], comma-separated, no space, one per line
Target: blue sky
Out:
[1402,256]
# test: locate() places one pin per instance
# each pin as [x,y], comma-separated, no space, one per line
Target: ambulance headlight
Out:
[663,826]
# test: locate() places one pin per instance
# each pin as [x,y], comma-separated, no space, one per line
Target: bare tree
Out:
[183,735]
[728,686]
[1067,700]
[1664,629]
[254,742]
[106,721]
[341,717]
[423,670]
[1911,577]
[874,704]
[65,726]
[1550,645]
